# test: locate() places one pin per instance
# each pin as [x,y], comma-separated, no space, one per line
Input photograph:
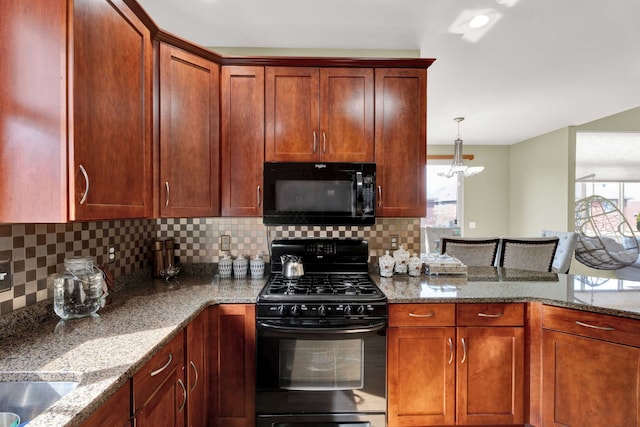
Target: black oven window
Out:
[321,364]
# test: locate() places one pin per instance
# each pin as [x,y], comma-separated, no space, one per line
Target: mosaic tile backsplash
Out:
[37,251]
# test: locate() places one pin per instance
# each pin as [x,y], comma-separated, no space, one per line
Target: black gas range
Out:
[321,339]
[335,286]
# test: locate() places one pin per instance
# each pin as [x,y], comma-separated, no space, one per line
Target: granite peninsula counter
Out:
[103,352]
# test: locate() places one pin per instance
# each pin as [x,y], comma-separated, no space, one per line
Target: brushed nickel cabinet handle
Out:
[86,184]
[157,371]
[450,341]
[184,395]
[195,371]
[167,193]
[259,196]
[600,328]
[324,142]
[430,314]
[464,352]
[315,142]
[490,315]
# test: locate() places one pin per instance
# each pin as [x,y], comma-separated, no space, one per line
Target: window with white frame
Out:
[608,164]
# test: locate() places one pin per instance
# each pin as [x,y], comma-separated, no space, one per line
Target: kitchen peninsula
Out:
[103,353]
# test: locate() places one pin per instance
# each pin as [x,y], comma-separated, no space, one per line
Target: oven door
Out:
[330,370]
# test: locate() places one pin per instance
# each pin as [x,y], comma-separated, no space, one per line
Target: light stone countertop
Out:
[104,351]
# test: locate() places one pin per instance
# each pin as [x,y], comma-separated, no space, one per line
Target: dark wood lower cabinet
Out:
[232,334]
[159,390]
[490,375]
[589,382]
[196,370]
[421,372]
[115,412]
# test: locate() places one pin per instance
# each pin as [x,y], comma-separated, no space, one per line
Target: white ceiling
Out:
[544,65]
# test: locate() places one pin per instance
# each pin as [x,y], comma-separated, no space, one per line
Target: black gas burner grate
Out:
[332,284]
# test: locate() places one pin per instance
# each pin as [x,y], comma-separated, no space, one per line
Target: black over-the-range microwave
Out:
[319,193]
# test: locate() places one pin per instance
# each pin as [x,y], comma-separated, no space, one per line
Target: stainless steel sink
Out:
[28,399]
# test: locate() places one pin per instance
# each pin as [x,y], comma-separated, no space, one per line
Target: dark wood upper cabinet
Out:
[111,96]
[401,141]
[319,114]
[242,139]
[76,139]
[189,184]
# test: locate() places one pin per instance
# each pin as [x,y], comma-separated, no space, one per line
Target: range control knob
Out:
[281,310]
[322,310]
[347,310]
[361,309]
[295,311]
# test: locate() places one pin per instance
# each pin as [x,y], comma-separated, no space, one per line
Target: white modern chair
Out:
[564,252]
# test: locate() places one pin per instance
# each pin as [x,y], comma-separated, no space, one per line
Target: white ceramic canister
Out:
[386,263]
[401,258]
[240,266]
[415,265]
[256,265]
[225,266]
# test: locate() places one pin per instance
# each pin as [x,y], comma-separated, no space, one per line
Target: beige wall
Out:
[540,183]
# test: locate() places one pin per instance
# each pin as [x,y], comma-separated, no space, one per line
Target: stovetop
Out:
[336,282]
[318,287]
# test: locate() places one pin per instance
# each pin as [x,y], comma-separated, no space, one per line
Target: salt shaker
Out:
[386,263]
[401,258]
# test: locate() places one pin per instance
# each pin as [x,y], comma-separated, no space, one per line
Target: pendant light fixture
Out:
[458,167]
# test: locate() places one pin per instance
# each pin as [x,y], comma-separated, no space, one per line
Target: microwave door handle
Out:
[332,331]
[359,194]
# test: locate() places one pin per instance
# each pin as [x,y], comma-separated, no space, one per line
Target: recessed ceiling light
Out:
[479,21]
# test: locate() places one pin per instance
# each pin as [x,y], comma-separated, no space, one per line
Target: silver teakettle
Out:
[292,267]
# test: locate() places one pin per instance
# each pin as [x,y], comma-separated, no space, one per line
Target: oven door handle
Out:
[311,330]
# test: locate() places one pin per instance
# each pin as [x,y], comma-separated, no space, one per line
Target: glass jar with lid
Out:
[78,291]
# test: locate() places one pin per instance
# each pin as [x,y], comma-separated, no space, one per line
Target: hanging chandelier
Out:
[458,167]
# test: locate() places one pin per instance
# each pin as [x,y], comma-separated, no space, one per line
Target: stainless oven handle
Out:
[312,330]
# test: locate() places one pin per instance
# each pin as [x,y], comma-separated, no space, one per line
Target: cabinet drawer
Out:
[593,325]
[151,376]
[422,315]
[490,314]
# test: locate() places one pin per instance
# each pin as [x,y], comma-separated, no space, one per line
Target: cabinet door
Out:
[189,136]
[401,141]
[115,412]
[292,114]
[159,390]
[33,112]
[196,371]
[111,110]
[421,376]
[490,376]
[346,115]
[588,382]
[233,374]
[167,406]
[242,140]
